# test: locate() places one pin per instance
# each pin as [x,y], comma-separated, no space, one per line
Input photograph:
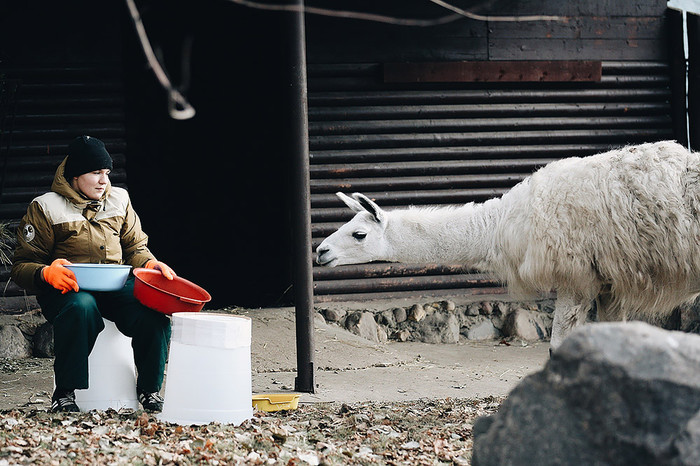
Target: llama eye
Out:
[359,235]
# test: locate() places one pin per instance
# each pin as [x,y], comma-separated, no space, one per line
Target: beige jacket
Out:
[64,224]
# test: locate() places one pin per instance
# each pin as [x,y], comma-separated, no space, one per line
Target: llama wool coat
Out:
[64,224]
[623,223]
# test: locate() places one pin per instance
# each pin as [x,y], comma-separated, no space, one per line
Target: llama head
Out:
[359,241]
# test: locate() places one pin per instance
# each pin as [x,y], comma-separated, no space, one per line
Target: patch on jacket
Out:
[28,232]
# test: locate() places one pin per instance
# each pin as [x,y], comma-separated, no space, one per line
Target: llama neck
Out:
[444,235]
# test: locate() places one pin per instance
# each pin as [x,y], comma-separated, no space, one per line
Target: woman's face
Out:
[92,184]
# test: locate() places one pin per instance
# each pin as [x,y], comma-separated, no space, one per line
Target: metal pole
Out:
[301,206]
[674,23]
[693,22]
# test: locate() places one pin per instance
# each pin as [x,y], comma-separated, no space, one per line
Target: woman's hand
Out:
[60,277]
[164,269]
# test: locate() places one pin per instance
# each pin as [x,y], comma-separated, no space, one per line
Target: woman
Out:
[86,220]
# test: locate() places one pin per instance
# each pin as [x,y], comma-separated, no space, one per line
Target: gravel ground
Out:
[424,431]
[416,432]
[395,403]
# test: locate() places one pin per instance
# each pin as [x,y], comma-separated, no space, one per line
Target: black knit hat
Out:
[86,154]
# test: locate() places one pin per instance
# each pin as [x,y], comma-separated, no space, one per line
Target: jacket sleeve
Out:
[35,243]
[134,241]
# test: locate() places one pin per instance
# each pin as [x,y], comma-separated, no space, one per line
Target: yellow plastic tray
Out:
[276,401]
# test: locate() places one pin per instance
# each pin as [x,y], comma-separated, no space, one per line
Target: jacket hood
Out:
[61,186]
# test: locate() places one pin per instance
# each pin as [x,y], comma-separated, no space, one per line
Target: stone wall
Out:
[447,322]
[25,333]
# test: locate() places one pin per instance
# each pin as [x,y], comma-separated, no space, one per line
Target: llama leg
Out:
[568,314]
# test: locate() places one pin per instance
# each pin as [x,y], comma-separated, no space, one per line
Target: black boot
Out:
[152,402]
[63,401]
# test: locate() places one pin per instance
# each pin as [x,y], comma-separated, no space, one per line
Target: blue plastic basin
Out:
[100,277]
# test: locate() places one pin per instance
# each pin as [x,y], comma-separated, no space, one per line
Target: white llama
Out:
[620,229]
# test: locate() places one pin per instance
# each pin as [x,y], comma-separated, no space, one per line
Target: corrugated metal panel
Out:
[438,144]
[54,105]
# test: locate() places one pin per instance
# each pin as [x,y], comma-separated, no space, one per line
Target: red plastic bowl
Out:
[153,290]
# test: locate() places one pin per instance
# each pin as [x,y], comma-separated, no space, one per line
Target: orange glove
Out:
[60,277]
[164,269]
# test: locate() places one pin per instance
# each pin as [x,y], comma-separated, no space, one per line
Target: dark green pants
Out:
[77,320]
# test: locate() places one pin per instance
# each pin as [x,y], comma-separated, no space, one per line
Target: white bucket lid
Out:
[214,330]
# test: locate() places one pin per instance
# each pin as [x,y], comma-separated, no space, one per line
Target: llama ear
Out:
[350,202]
[370,206]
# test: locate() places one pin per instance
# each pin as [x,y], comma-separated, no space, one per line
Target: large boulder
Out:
[13,343]
[480,328]
[527,324]
[364,325]
[612,393]
[438,327]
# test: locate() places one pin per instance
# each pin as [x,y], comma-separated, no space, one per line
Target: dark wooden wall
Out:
[60,76]
[212,192]
[591,30]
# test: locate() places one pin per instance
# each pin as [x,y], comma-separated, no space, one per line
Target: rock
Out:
[401,335]
[612,393]
[386,318]
[382,336]
[486,308]
[416,313]
[688,445]
[524,324]
[13,343]
[447,306]
[364,325]
[689,317]
[334,315]
[500,308]
[498,314]
[18,304]
[43,341]
[319,321]
[438,327]
[481,330]
[547,305]
[473,310]
[399,315]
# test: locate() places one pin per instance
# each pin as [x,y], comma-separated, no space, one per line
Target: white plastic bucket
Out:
[112,373]
[208,377]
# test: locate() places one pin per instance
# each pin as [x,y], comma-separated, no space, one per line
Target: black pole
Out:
[674,23]
[301,206]
[693,22]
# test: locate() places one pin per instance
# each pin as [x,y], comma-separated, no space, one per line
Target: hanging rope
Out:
[514,19]
[180,109]
[459,14]
[178,106]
